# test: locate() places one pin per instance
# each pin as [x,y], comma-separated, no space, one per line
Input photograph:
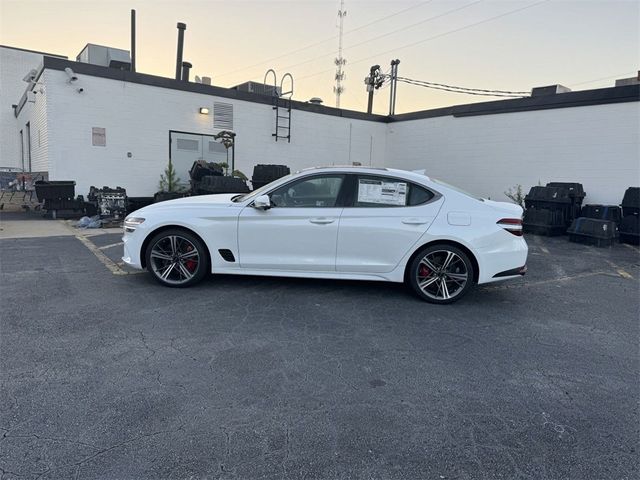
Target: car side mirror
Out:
[262,202]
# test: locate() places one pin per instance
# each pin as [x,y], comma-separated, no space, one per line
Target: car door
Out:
[382,220]
[299,231]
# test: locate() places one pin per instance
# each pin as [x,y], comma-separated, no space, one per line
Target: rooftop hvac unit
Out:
[105,57]
[549,90]
[258,88]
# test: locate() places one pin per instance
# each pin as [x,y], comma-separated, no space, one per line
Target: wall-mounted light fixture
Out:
[204,110]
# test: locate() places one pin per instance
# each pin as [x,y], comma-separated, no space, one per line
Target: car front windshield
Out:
[259,191]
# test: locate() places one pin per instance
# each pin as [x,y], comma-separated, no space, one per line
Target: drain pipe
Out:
[133,40]
[186,66]
[181,28]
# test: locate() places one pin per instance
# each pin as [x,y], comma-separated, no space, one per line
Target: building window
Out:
[186,144]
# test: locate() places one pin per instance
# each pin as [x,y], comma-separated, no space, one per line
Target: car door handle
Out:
[322,220]
[414,221]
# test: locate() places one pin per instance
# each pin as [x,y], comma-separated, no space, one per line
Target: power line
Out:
[484,90]
[620,75]
[328,39]
[413,44]
[467,91]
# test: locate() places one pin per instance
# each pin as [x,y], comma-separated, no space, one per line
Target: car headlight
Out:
[133,221]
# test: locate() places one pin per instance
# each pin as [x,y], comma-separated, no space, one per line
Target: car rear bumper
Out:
[503,261]
[514,272]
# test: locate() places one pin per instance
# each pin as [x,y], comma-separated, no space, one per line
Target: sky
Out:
[509,45]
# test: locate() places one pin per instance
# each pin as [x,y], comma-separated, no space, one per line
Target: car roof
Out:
[415,175]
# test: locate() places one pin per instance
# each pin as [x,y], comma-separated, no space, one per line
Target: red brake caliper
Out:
[190,264]
[424,271]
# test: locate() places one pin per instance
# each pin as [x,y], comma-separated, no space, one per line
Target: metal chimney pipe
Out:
[181,28]
[133,40]
[186,66]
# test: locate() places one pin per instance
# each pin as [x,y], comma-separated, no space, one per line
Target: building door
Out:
[186,148]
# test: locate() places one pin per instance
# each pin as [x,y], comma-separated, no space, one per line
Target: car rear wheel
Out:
[176,258]
[441,274]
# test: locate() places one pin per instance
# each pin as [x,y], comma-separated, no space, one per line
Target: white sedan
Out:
[335,223]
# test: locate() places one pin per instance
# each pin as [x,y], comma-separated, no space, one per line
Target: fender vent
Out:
[227,254]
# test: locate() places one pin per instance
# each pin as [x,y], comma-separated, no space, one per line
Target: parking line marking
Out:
[544,249]
[111,246]
[624,274]
[631,247]
[106,261]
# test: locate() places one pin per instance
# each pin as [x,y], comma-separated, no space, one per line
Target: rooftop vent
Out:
[549,90]
[257,88]
[315,100]
[105,57]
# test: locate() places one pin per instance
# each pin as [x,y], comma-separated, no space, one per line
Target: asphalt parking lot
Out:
[106,374]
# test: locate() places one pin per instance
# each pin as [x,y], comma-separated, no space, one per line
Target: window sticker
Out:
[381,192]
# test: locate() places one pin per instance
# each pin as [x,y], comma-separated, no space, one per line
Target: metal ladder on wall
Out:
[281,105]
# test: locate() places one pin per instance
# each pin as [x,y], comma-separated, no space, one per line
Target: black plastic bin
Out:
[544,221]
[602,212]
[201,168]
[631,202]
[629,229]
[215,184]
[163,196]
[557,199]
[55,190]
[592,231]
[575,189]
[136,203]
[263,174]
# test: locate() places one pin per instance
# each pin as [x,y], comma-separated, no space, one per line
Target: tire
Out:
[441,274]
[171,261]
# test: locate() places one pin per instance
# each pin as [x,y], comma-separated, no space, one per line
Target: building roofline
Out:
[33,51]
[601,96]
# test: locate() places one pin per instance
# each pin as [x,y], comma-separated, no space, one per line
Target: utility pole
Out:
[340,61]
[393,86]
[373,82]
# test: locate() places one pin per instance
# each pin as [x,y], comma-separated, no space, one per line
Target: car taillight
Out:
[511,225]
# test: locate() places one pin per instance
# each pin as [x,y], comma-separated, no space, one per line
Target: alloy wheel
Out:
[442,275]
[174,259]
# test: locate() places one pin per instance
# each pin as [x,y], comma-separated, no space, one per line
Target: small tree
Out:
[516,195]
[169,181]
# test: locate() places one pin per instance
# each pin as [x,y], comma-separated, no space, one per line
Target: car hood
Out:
[218,200]
[506,207]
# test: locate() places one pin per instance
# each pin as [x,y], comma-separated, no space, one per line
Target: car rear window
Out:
[374,191]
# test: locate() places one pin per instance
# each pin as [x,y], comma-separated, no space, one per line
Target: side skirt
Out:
[304,274]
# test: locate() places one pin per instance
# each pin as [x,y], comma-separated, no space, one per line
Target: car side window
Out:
[374,191]
[318,191]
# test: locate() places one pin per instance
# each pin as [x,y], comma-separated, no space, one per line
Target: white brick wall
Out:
[598,146]
[595,145]
[138,119]
[14,65]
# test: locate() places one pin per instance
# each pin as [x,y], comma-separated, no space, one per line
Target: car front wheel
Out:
[176,258]
[441,274]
